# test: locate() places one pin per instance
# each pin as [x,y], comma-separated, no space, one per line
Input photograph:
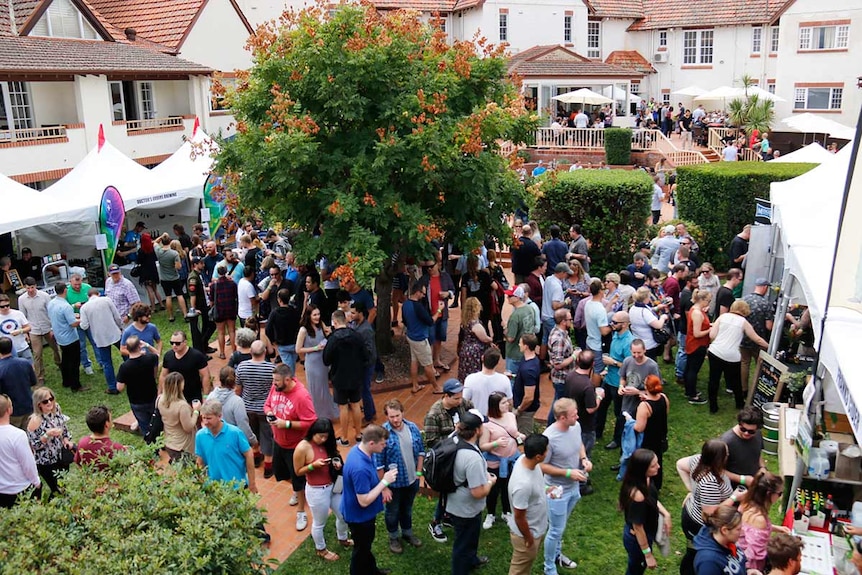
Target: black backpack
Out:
[439,465]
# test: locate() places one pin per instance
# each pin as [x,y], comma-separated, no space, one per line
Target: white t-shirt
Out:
[527,491]
[730,154]
[478,387]
[14,321]
[245,292]
[581,120]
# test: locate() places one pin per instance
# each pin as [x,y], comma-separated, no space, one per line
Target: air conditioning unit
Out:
[659,57]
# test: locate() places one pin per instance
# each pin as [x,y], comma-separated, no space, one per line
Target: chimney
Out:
[131,34]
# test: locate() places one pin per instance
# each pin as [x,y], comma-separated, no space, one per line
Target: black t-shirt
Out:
[580,388]
[723,298]
[528,375]
[738,247]
[31,268]
[138,374]
[251,258]
[743,454]
[684,305]
[189,367]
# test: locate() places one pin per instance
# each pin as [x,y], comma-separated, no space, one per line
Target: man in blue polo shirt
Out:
[362,498]
[223,449]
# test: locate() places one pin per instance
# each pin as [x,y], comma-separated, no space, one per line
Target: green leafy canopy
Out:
[373,127]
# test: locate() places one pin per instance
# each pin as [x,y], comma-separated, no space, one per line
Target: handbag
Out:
[661,335]
[156,425]
[67,456]
[136,271]
[211,313]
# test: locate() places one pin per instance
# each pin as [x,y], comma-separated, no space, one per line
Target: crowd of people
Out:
[599,339]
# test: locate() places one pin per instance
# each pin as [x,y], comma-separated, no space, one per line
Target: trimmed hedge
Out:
[618,146]
[720,198]
[612,207]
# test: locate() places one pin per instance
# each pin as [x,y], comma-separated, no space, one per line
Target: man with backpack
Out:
[465,504]
[440,422]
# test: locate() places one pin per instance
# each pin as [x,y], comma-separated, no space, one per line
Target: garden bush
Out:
[720,198]
[132,518]
[618,146]
[612,207]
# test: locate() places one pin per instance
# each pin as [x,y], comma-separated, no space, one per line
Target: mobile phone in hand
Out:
[270,418]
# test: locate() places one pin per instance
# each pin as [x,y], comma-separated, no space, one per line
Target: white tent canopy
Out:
[721,93]
[691,91]
[183,174]
[813,153]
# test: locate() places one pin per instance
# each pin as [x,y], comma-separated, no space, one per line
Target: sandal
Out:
[221,356]
[442,366]
[419,388]
[327,555]
[345,542]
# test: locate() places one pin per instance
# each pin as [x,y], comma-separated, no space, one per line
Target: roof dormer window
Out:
[63,20]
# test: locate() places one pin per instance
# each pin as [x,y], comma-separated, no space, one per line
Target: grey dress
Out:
[317,378]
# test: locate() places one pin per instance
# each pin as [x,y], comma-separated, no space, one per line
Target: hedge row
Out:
[618,146]
[721,196]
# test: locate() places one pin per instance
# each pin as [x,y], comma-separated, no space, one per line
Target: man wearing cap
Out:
[132,243]
[639,268]
[466,503]
[100,316]
[440,422]
[121,291]
[199,306]
[664,249]
[34,305]
[760,319]
[521,321]
[554,298]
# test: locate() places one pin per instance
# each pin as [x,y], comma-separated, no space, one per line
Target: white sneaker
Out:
[563,561]
[294,501]
[489,522]
[301,520]
[88,370]
[505,517]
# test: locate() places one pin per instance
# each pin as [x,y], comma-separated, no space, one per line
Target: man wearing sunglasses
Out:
[189,362]
[744,444]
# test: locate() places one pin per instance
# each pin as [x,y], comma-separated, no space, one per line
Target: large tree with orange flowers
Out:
[373,129]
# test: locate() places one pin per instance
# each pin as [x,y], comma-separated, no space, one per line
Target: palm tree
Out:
[751,113]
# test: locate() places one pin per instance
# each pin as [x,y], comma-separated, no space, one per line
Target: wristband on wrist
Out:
[419,474]
[496,444]
[742,479]
[287,424]
[568,473]
[647,550]
[384,482]
[311,467]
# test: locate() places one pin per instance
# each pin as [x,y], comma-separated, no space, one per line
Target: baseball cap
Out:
[562,267]
[761,282]
[472,421]
[644,246]
[516,291]
[452,386]
[113,268]
[196,259]
[26,251]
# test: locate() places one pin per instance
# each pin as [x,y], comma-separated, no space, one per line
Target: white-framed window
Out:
[756,39]
[635,87]
[146,100]
[217,102]
[594,39]
[697,47]
[818,98]
[824,37]
[665,98]
[662,38]
[118,101]
[504,26]
[63,20]
[770,86]
[773,43]
[567,28]
[17,110]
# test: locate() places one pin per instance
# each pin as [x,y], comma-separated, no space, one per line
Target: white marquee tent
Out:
[813,153]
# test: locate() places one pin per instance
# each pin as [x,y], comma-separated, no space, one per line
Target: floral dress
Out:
[470,353]
[48,454]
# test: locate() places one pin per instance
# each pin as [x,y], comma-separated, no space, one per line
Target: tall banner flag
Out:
[215,195]
[112,213]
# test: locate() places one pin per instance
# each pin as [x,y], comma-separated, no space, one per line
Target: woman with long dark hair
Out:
[495,311]
[149,270]
[223,292]
[755,504]
[310,342]
[639,503]
[696,342]
[652,422]
[709,487]
[316,457]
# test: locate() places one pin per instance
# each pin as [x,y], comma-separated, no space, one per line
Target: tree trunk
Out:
[384,309]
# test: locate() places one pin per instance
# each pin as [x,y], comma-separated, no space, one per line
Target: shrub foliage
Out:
[612,207]
[618,146]
[132,518]
[720,198]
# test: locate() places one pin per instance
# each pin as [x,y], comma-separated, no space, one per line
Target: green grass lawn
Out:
[593,536]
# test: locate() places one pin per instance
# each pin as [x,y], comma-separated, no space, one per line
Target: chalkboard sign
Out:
[767,385]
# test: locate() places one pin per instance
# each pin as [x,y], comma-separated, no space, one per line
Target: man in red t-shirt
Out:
[97,447]
[290,412]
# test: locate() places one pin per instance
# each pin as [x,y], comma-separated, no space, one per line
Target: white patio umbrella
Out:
[721,93]
[582,96]
[691,91]
[812,124]
[763,94]
[813,153]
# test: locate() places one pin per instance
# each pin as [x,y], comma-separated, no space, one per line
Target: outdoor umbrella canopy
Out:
[763,94]
[692,91]
[811,124]
[582,96]
[812,153]
[721,93]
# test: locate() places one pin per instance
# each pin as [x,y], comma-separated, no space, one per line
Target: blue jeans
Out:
[103,356]
[559,392]
[547,326]
[512,365]
[288,356]
[367,399]
[466,543]
[143,413]
[83,336]
[26,354]
[681,357]
[558,513]
[637,560]
[399,511]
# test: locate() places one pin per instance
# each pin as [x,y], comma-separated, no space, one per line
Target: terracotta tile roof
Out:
[631,59]
[557,61]
[618,8]
[61,56]
[442,6]
[706,13]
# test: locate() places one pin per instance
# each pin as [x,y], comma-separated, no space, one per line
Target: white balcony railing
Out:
[717,137]
[645,140]
[570,138]
[33,134]
[154,123]
[685,158]
[749,155]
